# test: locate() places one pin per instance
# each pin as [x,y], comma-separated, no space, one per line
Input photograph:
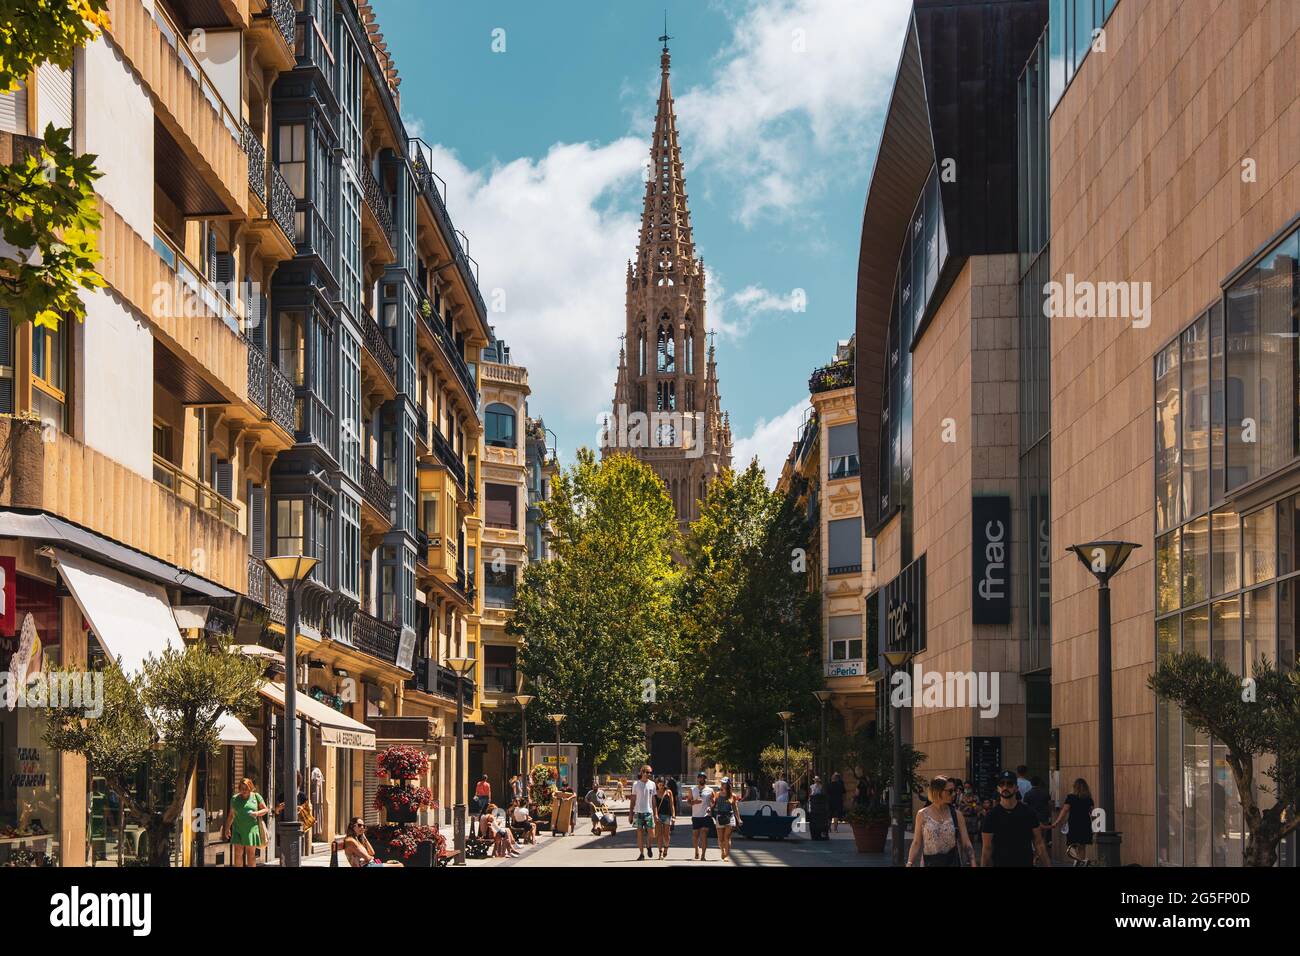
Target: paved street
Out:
[583,849]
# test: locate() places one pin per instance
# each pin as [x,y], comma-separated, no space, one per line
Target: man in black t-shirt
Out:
[1011,829]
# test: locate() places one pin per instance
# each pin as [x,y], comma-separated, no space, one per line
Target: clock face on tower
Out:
[665,436]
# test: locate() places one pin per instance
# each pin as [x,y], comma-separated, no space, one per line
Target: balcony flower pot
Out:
[408,844]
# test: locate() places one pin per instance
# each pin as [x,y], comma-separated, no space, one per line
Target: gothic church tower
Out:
[667,410]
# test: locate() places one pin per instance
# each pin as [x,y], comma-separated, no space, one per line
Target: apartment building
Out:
[822,474]
[281,266]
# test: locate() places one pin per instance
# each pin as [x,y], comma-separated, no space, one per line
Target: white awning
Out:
[130,616]
[336,730]
[232,732]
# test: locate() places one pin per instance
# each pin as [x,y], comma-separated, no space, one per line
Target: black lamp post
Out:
[290,570]
[1103,559]
[462,666]
[823,696]
[523,700]
[898,660]
[556,719]
[785,716]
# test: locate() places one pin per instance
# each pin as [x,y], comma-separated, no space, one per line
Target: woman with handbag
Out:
[939,834]
[726,815]
[245,826]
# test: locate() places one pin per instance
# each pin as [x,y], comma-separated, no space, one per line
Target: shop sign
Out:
[991,559]
[845,669]
[353,739]
[9,595]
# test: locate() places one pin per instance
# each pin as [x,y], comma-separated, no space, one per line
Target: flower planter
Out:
[424,854]
[870,837]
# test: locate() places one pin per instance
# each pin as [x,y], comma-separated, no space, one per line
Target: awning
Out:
[232,732]
[336,730]
[130,616]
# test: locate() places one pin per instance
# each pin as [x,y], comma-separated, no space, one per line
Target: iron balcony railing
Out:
[280,398]
[377,200]
[421,546]
[829,377]
[283,204]
[431,677]
[377,345]
[428,181]
[447,457]
[256,154]
[194,492]
[446,341]
[499,680]
[284,14]
[266,590]
[375,637]
[257,375]
[377,492]
[422,424]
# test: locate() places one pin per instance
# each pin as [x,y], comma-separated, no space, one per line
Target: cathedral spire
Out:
[666,250]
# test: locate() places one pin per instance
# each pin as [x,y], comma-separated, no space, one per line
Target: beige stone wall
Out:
[1147,148]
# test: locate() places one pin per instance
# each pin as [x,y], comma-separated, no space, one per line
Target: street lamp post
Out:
[823,696]
[523,700]
[902,788]
[1103,559]
[556,719]
[290,570]
[785,716]
[462,666]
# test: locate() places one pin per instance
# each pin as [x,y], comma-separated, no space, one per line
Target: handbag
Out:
[261,822]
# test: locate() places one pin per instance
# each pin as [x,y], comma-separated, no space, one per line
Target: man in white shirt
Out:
[701,801]
[782,792]
[642,812]
[1023,783]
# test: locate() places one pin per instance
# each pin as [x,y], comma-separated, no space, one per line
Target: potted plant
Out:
[870,754]
[541,791]
[400,837]
[870,825]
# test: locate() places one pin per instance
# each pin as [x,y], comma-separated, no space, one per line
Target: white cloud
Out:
[770,441]
[552,237]
[796,85]
[734,315]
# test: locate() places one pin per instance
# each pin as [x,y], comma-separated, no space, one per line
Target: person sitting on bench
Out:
[357,848]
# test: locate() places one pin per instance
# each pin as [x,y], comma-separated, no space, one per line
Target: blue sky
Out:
[542,146]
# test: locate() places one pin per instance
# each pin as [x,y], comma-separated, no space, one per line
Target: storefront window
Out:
[30,795]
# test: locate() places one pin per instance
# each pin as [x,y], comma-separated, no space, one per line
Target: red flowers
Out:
[401,762]
[406,838]
[403,799]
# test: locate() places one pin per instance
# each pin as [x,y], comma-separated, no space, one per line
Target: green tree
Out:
[1259,717]
[48,211]
[159,721]
[751,628]
[598,641]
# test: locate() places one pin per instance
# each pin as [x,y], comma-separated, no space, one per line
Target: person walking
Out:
[675,789]
[701,801]
[1077,812]
[835,799]
[1011,831]
[1040,801]
[642,811]
[243,826]
[665,810]
[751,792]
[940,831]
[1023,783]
[781,791]
[482,794]
[726,816]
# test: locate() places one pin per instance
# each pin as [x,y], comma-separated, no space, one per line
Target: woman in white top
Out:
[940,829]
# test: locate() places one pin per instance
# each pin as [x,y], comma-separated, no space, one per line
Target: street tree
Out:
[1256,717]
[751,627]
[49,216]
[595,621]
[157,724]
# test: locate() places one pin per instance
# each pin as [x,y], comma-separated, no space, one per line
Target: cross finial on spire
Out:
[665,38]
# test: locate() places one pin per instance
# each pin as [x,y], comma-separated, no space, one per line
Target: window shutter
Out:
[6,364]
[223,479]
[53,97]
[371,788]
[211,254]
[843,440]
[257,521]
[223,272]
[13,111]
[845,543]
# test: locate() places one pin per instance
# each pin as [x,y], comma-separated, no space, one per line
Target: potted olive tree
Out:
[400,837]
[870,755]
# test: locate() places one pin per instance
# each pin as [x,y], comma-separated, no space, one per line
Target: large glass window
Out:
[501,505]
[499,586]
[499,426]
[845,634]
[842,450]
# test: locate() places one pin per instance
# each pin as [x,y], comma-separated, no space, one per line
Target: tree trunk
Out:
[159,833]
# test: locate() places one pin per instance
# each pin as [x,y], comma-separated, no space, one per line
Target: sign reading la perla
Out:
[991,559]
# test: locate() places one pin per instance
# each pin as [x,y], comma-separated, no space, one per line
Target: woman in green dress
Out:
[243,824]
